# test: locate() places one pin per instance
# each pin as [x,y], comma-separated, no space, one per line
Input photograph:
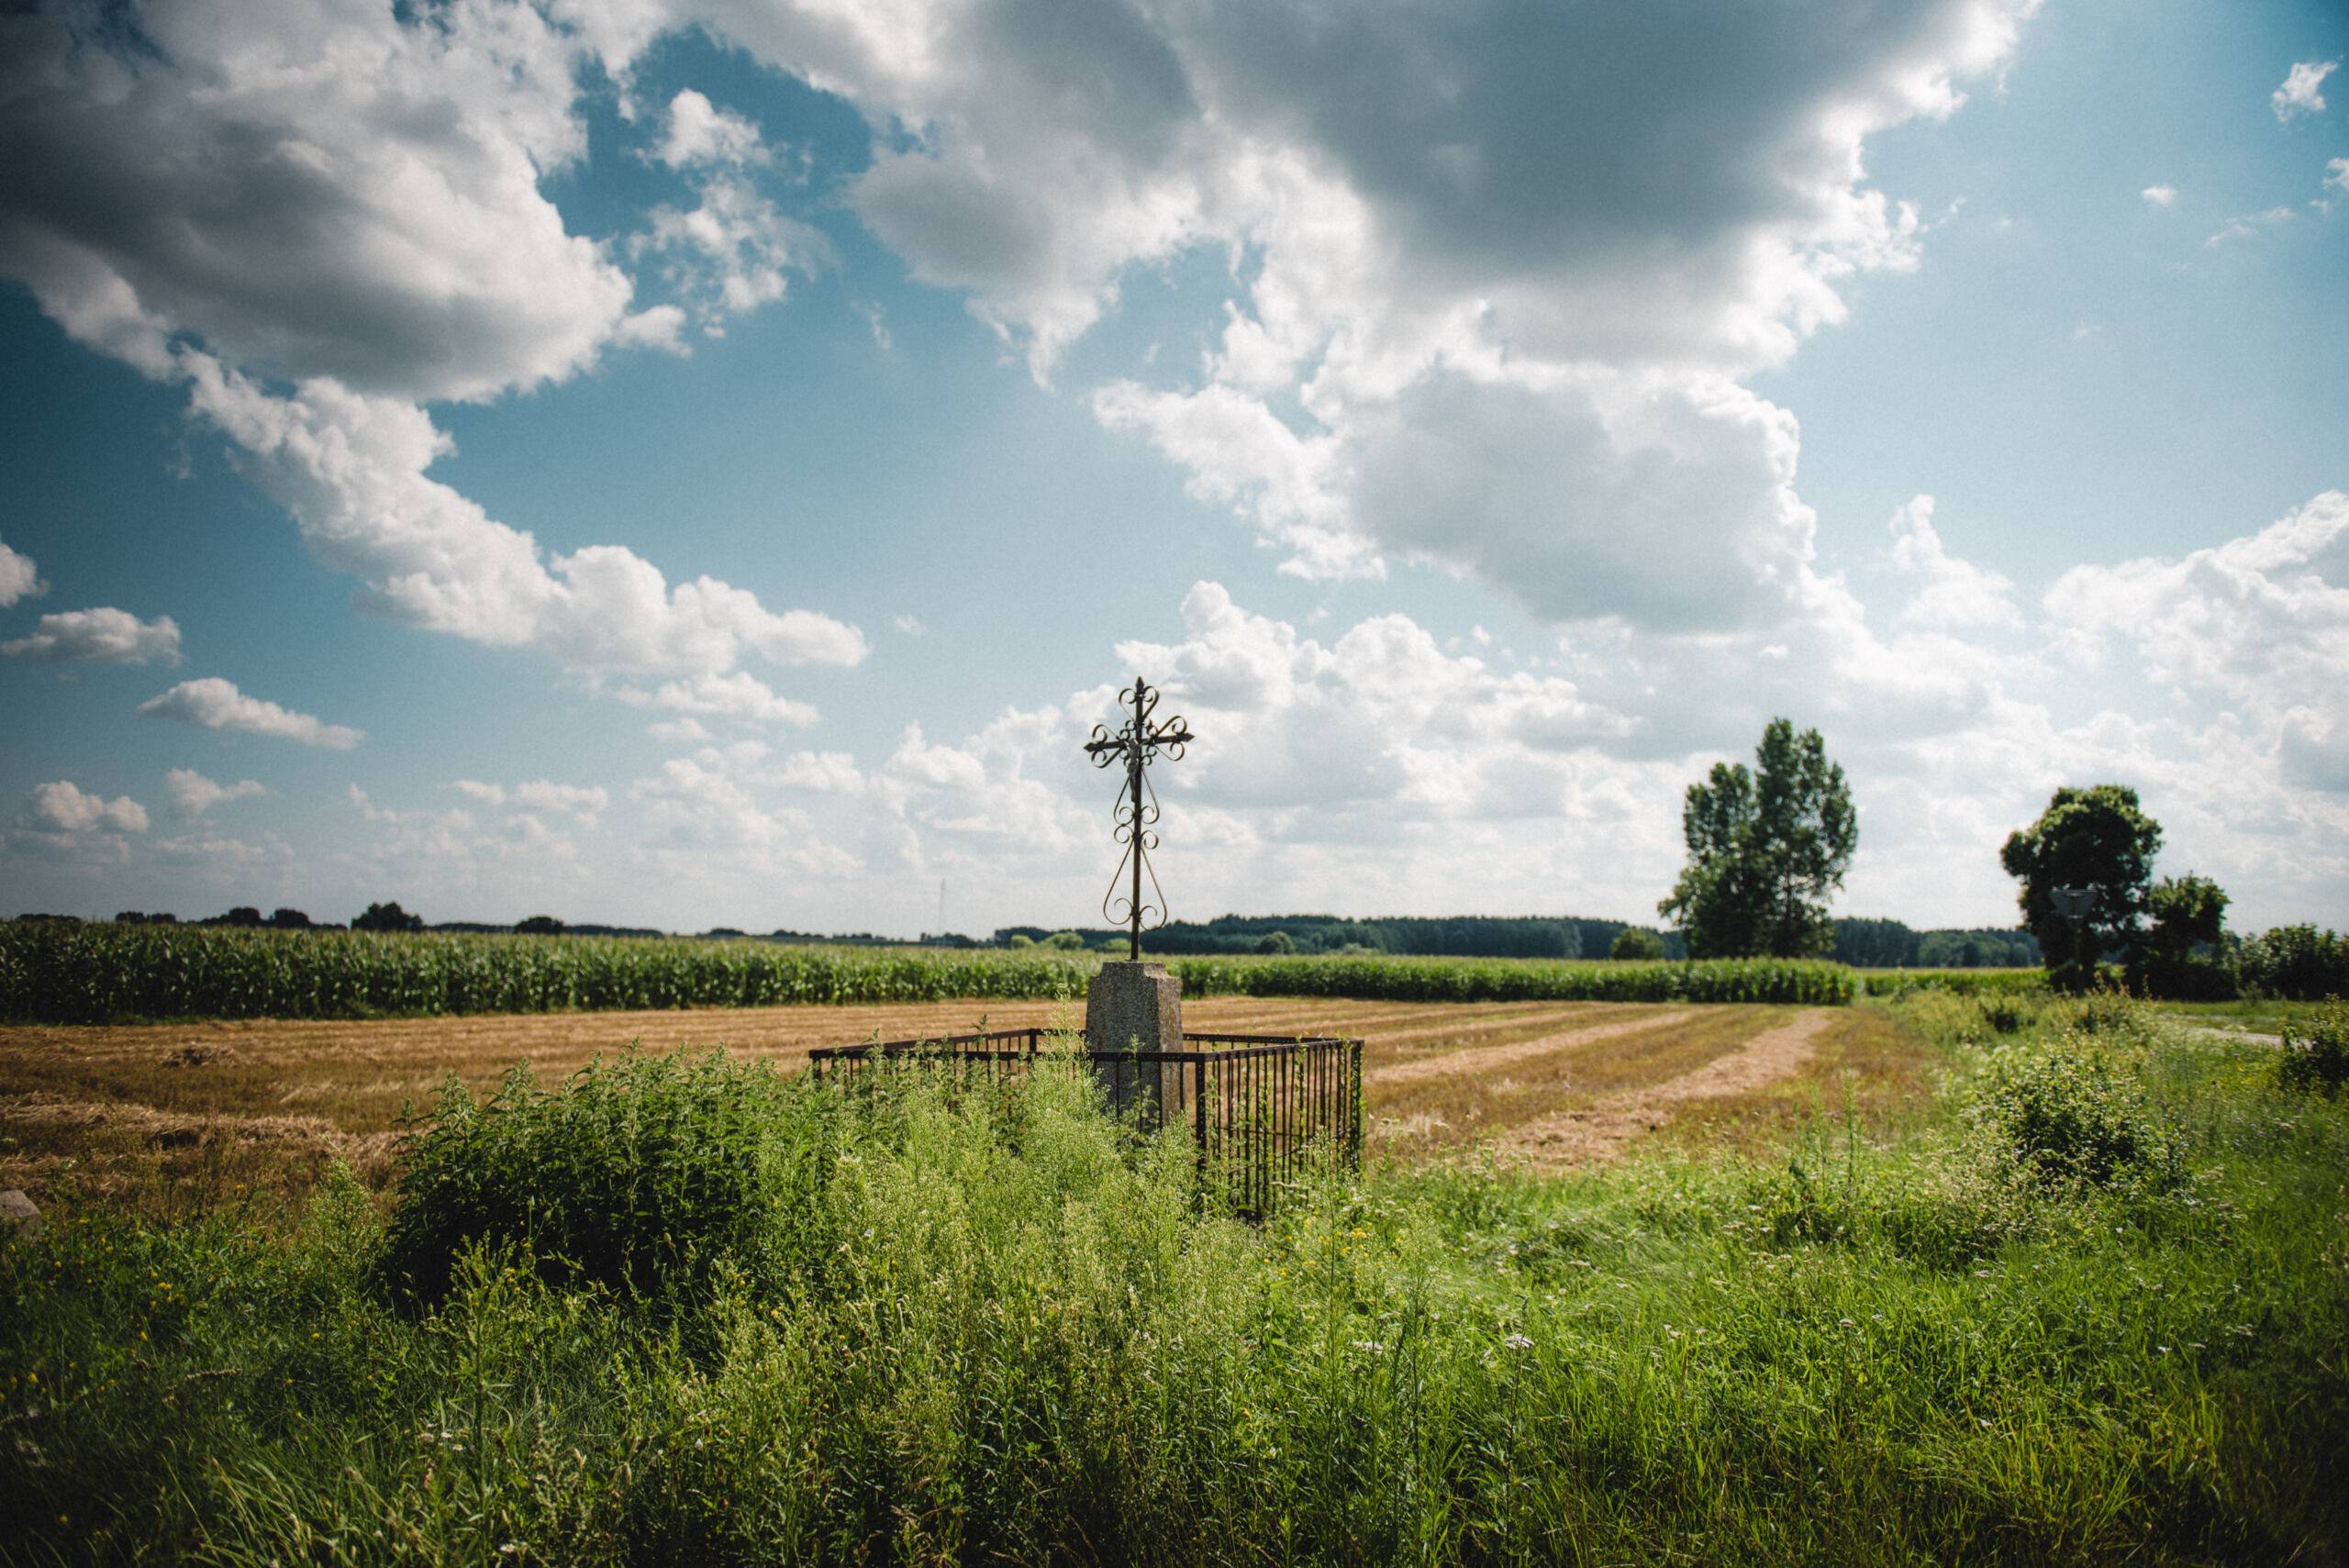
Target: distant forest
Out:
[1873,944]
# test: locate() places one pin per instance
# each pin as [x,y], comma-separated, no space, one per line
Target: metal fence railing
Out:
[1258,1107]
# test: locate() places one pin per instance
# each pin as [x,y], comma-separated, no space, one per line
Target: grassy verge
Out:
[2268,1016]
[2085,1305]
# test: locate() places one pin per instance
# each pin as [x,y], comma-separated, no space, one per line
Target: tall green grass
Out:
[902,1328]
[1891,983]
[55,972]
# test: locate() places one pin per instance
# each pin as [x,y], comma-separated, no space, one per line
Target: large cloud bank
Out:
[1501,279]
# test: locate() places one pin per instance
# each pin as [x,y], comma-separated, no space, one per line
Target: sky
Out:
[710,463]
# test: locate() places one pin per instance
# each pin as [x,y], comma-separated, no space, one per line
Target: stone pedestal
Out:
[1130,1007]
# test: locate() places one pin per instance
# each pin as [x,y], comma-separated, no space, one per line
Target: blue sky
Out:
[701,464]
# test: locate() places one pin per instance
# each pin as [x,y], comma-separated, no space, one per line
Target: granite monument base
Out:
[1136,1007]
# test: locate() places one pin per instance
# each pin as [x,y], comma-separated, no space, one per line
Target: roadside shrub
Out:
[2058,1113]
[2111,1015]
[643,1174]
[2317,1063]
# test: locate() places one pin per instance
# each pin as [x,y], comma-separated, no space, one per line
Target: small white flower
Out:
[1517,1342]
[1369,1347]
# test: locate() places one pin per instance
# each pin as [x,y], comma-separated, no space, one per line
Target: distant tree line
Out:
[1461,936]
[1891,944]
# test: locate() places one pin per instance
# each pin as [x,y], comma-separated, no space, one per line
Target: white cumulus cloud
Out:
[741,696]
[2261,621]
[104,635]
[18,578]
[352,469]
[733,251]
[2160,196]
[1485,227]
[701,132]
[192,794]
[240,195]
[586,802]
[212,703]
[62,806]
[1955,593]
[2301,92]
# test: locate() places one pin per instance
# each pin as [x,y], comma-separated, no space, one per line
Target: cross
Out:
[1137,744]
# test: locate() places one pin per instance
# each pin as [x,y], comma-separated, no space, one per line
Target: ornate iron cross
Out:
[1137,744]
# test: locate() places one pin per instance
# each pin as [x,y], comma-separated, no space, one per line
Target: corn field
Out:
[1387,979]
[53,972]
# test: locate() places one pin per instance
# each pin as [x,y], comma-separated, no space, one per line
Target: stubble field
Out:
[180,1117]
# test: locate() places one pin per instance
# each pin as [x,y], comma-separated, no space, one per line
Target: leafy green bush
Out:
[2317,1063]
[2059,1114]
[1636,944]
[643,1174]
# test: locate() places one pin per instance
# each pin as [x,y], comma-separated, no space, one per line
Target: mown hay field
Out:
[180,1115]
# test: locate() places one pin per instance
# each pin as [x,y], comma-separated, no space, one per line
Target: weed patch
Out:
[2316,1061]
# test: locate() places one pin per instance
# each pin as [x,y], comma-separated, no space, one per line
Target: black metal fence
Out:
[1259,1107]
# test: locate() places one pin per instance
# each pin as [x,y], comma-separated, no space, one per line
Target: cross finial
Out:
[1137,743]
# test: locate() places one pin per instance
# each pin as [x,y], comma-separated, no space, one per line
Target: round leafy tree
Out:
[1766,849]
[1636,942]
[2095,839]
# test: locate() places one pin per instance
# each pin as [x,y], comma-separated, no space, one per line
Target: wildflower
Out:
[1369,1347]
[1517,1342]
